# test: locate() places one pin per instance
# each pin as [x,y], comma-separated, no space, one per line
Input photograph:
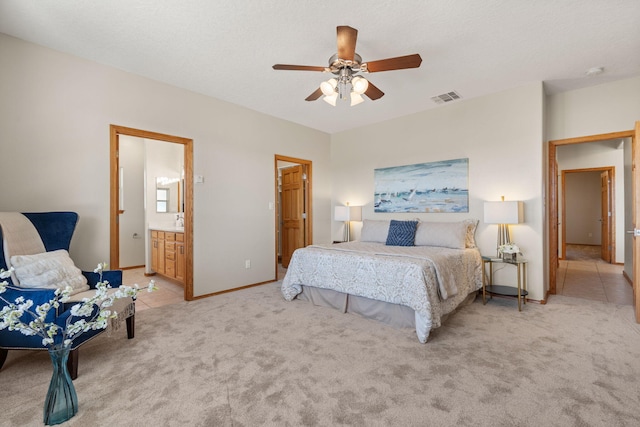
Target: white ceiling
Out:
[225,49]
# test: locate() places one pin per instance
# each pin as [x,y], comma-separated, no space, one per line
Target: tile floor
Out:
[168,292]
[584,275]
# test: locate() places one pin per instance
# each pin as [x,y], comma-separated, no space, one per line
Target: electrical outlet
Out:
[247,263]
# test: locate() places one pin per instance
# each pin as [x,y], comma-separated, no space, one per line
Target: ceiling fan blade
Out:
[315,95]
[298,67]
[397,63]
[347,37]
[373,92]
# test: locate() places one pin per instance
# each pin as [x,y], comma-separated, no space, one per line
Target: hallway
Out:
[584,275]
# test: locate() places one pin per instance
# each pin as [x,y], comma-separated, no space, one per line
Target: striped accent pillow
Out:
[401,233]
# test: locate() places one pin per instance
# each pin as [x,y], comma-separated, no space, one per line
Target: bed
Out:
[434,269]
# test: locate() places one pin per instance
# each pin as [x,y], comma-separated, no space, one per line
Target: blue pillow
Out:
[401,233]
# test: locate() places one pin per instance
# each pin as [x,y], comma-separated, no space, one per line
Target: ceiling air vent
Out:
[446,97]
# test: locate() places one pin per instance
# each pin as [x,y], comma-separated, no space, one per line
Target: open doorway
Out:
[588,223]
[629,139]
[185,200]
[293,212]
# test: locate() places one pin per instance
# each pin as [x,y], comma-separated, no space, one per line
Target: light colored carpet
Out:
[249,358]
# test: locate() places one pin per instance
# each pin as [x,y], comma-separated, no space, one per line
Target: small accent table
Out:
[520,291]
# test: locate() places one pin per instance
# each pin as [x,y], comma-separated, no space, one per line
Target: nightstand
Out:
[519,291]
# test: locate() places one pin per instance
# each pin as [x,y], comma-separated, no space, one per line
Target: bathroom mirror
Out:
[169,195]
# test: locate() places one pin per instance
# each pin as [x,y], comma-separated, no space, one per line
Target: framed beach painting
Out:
[421,188]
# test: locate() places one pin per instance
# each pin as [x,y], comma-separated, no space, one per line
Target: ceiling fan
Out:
[345,65]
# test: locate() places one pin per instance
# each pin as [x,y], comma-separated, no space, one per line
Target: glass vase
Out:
[61,402]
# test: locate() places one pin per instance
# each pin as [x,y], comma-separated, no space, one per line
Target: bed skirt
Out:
[394,315]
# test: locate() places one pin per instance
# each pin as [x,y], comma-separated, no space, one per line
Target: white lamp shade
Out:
[331,99]
[355,213]
[360,85]
[356,99]
[511,212]
[348,213]
[341,213]
[329,87]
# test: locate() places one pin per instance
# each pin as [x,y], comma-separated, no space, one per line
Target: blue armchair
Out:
[56,230]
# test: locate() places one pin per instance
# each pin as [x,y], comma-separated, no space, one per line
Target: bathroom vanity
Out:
[167,253]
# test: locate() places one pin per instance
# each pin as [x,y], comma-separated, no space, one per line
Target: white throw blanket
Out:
[19,237]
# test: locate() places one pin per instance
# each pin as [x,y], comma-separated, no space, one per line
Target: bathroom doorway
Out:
[118,208]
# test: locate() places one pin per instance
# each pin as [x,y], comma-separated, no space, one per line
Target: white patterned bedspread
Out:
[430,280]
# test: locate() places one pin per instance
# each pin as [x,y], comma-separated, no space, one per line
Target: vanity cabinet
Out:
[167,254]
[180,258]
[157,251]
[170,255]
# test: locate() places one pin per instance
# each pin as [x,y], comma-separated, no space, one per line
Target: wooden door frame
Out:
[115,132]
[635,179]
[612,221]
[553,195]
[308,202]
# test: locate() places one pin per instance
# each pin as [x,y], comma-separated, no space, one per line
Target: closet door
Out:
[292,207]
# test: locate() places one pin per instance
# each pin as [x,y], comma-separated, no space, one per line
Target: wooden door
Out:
[292,211]
[605,215]
[636,218]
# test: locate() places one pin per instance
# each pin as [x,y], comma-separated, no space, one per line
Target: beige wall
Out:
[55,113]
[132,220]
[609,107]
[582,200]
[500,134]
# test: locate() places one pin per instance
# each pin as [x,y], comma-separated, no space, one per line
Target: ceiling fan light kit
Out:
[359,84]
[345,65]
[356,99]
[331,99]
[329,87]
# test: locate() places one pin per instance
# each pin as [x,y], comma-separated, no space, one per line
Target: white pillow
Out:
[374,230]
[442,234]
[50,270]
[470,240]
